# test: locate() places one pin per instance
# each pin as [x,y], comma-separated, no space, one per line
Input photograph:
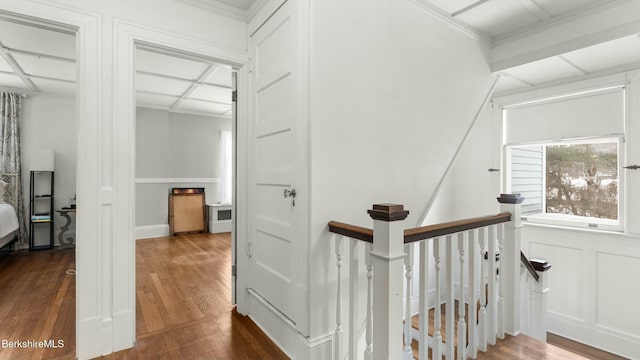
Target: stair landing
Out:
[524,347]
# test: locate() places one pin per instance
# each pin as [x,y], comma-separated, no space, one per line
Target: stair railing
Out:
[534,285]
[460,277]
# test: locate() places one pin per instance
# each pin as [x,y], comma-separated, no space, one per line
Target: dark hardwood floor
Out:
[183,303]
[184,306]
[37,303]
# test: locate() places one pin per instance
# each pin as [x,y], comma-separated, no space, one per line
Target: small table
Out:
[68,242]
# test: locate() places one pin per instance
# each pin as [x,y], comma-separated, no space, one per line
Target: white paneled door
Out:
[278,197]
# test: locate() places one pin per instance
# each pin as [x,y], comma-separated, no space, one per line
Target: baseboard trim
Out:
[603,339]
[152,231]
[123,330]
[88,338]
[271,321]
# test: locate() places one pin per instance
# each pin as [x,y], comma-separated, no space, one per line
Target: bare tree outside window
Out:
[582,180]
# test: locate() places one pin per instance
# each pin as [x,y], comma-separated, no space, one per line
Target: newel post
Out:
[387,258]
[538,309]
[510,263]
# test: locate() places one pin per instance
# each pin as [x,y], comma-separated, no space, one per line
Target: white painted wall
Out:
[174,146]
[475,189]
[391,96]
[49,121]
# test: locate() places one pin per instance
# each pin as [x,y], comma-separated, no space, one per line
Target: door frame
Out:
[129,35]
[92,196]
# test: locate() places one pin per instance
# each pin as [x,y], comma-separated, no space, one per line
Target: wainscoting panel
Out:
[593,281]
[565,261]
[623,293]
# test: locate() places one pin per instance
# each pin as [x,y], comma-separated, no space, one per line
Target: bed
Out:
[8,224]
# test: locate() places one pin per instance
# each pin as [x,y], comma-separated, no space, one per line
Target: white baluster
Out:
[492,327]
[337,337]
[482,318]
[501,283]
[450,302]
[408,263]
[462,324]
[353,300]
[368,351]
[423,345]
[473,299]
[437,335]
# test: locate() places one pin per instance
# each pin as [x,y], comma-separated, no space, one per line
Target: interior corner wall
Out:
[174,150]
[393,90]
[49,121]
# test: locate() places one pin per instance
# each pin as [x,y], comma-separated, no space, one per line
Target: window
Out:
[569,183]
[226,167]
[564,155]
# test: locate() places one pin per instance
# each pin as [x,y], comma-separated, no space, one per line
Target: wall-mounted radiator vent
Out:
[220,218]
[224,214]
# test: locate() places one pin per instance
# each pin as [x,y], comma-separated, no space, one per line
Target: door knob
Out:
[290,194]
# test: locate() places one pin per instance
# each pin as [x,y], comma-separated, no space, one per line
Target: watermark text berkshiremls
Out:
[32,344]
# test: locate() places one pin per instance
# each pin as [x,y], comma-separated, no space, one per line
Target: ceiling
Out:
[183,84]
[41,58]
[36,58]
[499,21]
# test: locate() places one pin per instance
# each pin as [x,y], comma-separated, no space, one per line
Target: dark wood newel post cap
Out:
[510,199]
[388,212]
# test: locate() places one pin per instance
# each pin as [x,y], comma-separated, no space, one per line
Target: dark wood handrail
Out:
[527,264]
[352,231]
[432,231]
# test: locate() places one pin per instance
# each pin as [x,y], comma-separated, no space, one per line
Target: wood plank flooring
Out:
[184,306]
[37,303]
[183,303]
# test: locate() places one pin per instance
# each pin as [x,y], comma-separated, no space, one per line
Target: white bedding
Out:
[8,220]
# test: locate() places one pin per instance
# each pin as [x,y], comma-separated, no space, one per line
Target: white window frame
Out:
[565,220]
[570,90]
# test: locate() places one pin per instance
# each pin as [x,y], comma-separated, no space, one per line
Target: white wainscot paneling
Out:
[565,261]
[613,297]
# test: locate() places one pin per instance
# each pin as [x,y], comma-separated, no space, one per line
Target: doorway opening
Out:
[38,75]
[185,125]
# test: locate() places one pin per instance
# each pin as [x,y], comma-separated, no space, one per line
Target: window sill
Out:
[574,222]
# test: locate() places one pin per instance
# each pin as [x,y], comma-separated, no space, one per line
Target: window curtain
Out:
[11,158]
[226,168]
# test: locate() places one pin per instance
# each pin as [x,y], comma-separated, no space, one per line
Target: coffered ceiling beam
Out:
[210,69]
[593,26]
[171,77]
[17,69]
[573,65]
[39,55]
[469,8]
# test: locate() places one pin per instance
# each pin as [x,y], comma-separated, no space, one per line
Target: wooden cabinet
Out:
[187,213]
